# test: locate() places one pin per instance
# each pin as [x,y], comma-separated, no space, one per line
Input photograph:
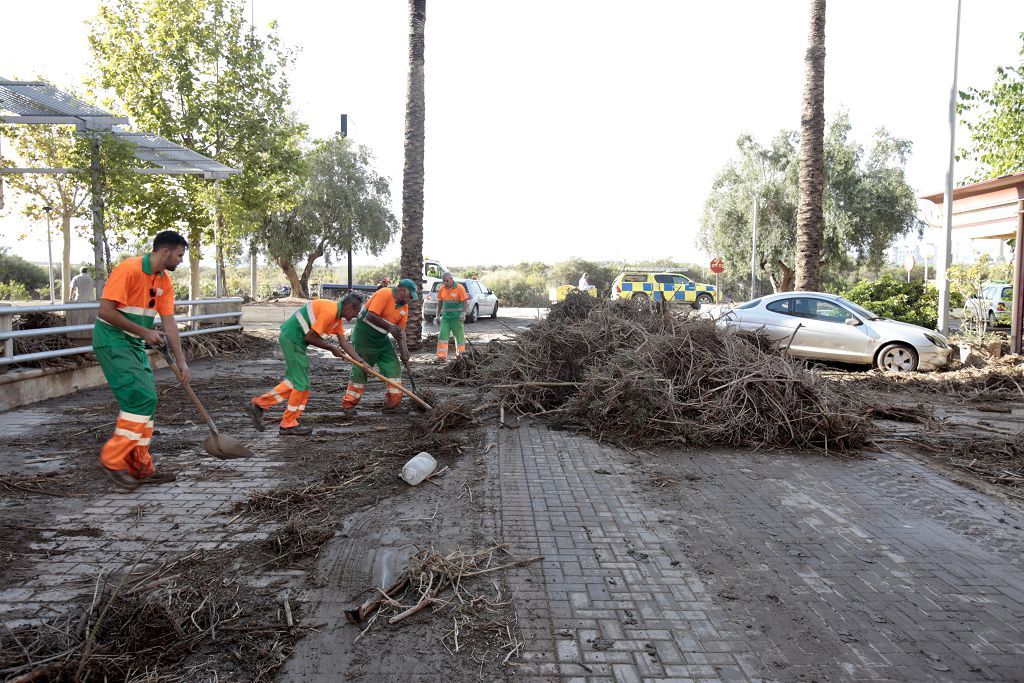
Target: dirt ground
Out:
[254,585]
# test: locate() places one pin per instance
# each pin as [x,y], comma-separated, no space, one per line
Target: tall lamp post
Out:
[942,267]
[49,251]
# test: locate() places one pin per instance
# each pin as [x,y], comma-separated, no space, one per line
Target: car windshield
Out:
[859,310]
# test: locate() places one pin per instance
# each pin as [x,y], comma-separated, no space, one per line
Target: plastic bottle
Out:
[419,468]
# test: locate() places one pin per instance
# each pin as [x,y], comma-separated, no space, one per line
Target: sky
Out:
[586,128]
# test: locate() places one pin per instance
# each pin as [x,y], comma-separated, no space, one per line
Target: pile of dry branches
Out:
[53,342]
[647,376]
[440,581]
[163,626]
[1001,378]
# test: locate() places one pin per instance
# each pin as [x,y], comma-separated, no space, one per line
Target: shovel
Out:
[389,382]
[216,444]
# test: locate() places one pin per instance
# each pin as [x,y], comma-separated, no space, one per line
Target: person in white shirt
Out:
[584,285]
[83,288]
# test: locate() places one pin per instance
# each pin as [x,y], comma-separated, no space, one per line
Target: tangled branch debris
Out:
[439,581]
[1000,379]
[648,376]
[165,626]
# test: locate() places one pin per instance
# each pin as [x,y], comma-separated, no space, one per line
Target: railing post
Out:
[7,325]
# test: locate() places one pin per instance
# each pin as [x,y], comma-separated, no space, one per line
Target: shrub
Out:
[15,291]
[515,289]
[910,302]
[16,269]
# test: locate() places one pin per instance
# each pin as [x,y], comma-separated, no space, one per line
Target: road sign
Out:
[717,265]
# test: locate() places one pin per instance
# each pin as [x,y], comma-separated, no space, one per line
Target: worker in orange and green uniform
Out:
[454,304]
[305,328]
[137,291]
[386,313]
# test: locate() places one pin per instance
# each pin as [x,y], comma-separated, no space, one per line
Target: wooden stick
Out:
[389,382]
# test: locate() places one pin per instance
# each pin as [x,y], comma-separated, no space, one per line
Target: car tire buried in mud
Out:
[896,358]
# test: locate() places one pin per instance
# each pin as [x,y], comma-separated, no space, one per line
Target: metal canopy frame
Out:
[38,102]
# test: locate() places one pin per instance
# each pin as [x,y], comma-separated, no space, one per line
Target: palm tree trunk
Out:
[809,221]
[412,177]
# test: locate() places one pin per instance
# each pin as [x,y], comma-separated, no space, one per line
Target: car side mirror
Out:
[853,321]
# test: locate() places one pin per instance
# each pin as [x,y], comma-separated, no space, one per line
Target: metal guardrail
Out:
[8,335]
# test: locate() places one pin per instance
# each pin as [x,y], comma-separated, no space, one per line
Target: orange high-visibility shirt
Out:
[383,304]
[140,295]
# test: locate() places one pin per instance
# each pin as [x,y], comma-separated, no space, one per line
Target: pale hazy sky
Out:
[589,128]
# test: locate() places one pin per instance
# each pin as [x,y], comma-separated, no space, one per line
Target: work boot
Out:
[396,410]
[161,477]
[256,413]
[297,430]
[121,478]
[350,412]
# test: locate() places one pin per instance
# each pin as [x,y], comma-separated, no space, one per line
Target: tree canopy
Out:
[867,203]
[996,123]
[343,203]
[194,72]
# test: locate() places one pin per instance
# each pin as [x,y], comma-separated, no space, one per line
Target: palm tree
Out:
[412,177]
[809,221]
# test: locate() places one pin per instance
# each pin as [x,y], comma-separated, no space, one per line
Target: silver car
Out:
[821,326]
[482,301]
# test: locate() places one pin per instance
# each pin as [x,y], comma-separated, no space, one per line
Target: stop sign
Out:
[717,265]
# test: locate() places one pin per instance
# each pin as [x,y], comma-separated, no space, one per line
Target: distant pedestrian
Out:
[305,328]
[584,285]
[384,282]
[83,287]
[138,290]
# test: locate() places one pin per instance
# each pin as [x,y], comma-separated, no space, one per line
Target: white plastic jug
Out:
[419,468]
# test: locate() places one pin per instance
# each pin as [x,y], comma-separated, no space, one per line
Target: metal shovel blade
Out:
[225,448]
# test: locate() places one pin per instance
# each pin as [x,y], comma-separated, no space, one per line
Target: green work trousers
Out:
[296,362]
[130,377]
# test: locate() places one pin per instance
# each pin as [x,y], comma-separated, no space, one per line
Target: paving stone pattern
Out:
[757,566]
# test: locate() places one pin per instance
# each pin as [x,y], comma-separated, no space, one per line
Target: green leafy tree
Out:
[867,203]
[996,122]
[193,72]
[343,204]
[52,147]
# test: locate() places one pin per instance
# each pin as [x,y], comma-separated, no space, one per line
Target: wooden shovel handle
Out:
[188,390]
[390,382]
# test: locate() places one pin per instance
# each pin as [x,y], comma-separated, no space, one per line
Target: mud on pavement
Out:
[220,573]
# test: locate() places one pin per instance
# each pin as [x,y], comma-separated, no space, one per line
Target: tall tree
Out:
[412,176]
[809,225]
[867,203]
[996,122]
[51,147]
[195,73]
[343,204]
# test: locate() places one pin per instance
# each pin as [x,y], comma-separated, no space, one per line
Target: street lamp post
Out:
[753,254]
[49,251]
[942,266]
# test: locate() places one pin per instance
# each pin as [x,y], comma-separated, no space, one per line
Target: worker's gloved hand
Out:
[462,318]
[153,338]
[339,352]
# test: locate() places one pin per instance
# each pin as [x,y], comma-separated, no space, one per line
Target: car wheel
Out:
[896,358]
[473,315]
[991,320]
[702,300]
[429,318]
[494,313]
[640,299]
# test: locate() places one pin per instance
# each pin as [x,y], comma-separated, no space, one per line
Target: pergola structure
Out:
[993,209]
[39,103]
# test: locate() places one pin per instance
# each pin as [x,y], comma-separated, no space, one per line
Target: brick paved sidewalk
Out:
[756,566]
